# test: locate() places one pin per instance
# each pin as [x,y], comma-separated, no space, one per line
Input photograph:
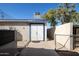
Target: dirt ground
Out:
[39,48]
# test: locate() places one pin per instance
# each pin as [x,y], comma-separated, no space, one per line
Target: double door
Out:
[37,32]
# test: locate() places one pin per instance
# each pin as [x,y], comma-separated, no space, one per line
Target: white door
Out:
[36,32]
[40,32]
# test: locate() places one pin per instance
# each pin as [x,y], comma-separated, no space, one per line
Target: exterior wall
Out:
[46,32]
[22,31]
[64,35]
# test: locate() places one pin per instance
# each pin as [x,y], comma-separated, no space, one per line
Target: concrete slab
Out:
[39,49]
[22,44]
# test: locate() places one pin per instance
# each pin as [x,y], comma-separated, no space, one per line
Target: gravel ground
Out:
[67,53]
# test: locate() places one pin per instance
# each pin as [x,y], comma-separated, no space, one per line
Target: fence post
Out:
[55,40]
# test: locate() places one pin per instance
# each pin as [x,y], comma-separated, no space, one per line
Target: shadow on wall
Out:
[50,34]
[7,39]
[18,36]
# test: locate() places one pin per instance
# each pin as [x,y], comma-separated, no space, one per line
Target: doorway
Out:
[37,32]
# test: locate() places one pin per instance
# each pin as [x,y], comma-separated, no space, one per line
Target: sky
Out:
[27,10]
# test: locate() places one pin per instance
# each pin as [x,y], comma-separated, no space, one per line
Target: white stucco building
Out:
[23,31]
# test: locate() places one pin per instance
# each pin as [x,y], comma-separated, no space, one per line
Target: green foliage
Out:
[65,13]
[50,15]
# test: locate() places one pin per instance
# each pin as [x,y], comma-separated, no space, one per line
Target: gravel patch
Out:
[67,53]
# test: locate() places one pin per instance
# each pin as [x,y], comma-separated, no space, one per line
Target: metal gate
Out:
[76,37]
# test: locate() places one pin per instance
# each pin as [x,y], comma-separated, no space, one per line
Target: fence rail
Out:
[74,35]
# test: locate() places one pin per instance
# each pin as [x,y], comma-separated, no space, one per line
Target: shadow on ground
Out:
[27,52]
[67,53]
[8,52]
[37,52]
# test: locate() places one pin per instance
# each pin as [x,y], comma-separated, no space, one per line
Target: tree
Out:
[65,13]
[68,13]
[50,15]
